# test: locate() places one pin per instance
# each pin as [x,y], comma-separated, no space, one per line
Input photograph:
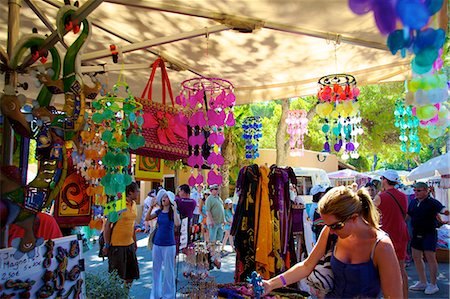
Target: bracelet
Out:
[283,280]
[107,245]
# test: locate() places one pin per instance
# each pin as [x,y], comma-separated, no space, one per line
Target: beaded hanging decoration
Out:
[338,105]
[408,125]
[297,128]
[252,127]
[209,101]
[118,122]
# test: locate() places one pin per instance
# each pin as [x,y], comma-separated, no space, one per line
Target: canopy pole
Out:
[10,78]
[156,42]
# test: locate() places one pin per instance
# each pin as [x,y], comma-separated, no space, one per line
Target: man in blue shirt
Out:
[423,212]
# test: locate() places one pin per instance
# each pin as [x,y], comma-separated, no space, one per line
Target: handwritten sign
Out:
[31,268]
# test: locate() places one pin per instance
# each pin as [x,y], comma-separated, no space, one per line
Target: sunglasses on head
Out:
[338,225]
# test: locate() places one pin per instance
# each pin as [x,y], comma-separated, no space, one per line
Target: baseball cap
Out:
[390,175]
[228,201]
[214,187]
[421,185]
[317,189]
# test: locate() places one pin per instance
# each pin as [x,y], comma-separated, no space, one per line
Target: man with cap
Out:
[393,205]
[215,214]
[423,212]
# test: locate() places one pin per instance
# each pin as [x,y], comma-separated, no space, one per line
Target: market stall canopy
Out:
[437,166]
[268,49]
[345,174]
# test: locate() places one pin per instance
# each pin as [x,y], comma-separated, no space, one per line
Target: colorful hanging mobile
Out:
[427,90]
[338,104]
[252,133]
[297,128]
[119,123]
[210,102]
[408,125]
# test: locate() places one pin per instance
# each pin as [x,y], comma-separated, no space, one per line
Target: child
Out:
[228,206]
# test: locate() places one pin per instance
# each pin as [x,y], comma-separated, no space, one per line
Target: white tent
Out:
[436,166]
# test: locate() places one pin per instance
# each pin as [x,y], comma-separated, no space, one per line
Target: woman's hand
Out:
[267,287]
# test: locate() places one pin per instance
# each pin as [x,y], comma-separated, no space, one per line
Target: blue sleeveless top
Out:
[355,280]
[165,233]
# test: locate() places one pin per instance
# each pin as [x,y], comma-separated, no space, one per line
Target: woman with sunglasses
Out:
[363,260]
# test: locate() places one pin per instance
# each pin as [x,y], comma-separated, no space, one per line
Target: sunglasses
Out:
[338,225]
[420,190]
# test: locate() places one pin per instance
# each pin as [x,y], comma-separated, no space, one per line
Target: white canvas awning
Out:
[267,49]
[436,166]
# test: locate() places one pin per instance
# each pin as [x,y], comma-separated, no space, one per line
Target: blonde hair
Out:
[343,202]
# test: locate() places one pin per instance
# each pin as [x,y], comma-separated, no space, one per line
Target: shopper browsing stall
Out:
[164,248]
[352,220]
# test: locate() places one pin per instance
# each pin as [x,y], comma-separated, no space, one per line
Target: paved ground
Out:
[142,287]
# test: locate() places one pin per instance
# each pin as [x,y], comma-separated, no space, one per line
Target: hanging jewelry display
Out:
[252,127]
[338,105]
[119,123]
[408,125]
[297,128]
[209,102]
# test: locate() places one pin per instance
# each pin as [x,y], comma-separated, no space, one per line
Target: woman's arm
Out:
[149,216]
[302,269]
[201,208]
[388,269]
[176,215]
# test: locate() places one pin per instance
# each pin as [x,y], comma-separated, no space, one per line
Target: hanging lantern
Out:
[209,101]
[297,127]
[252,127]
[338,105]
[408,125]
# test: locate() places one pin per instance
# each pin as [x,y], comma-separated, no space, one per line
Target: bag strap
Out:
[148,90]
[399,206]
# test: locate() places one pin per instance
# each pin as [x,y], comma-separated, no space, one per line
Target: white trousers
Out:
[163,257]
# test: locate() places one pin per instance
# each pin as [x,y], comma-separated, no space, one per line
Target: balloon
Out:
[426,57]
[419,69]
[435,131]
[413,13]
[397,41]
[429,37]
[385,16]
[426,112]
[433,6]
[360,7]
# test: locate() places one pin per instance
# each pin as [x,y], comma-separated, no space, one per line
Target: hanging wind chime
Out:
[297,128]
[118,123]
[408,125]
[252,127]
[338,105]
[210,102]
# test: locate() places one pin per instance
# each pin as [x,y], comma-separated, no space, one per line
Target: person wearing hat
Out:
[423,212]
[202,208]
[393,206]
[228,207]
[216,214]
[164,246]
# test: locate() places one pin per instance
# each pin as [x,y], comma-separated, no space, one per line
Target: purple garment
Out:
[186,206]
[297,220]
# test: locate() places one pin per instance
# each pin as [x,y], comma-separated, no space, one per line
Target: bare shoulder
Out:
[384,247]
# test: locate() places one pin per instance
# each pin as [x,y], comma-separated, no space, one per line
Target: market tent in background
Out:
[347,177]
[438,166]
